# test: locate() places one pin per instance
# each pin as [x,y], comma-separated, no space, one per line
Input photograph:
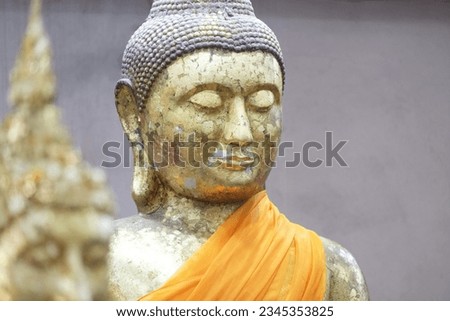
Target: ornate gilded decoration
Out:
[55,210]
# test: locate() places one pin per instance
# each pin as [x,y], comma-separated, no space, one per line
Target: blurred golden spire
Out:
[35,147]
[33,131]
[41,174]
[32,82]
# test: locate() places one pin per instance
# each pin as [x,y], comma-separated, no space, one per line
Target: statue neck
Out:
[195,217]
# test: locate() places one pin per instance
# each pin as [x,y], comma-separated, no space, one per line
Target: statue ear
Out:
[147,190]
[128,110]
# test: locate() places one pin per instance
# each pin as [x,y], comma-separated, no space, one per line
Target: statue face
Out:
[231,102]
[66,261]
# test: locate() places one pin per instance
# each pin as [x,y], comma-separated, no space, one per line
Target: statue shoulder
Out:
[134,223]
[345,279]
[132,274]
[144,254]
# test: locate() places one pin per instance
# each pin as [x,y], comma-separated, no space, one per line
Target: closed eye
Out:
[261,100]
[43,254]
[207,99]
[95,254]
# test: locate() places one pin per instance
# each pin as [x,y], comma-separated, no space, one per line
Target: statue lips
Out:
[236,161]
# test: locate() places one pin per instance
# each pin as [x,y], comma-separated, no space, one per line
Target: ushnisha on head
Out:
[221,53]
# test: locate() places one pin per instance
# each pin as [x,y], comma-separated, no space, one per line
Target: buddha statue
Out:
[55,210]
[201,103]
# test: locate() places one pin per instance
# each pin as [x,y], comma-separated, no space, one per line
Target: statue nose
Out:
[237,129]
[74,284]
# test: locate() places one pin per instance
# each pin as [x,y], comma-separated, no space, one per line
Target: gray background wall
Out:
[376,73]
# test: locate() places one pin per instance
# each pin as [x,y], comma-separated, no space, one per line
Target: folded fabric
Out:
[257,254]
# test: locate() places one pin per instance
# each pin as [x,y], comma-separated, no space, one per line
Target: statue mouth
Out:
[236,162]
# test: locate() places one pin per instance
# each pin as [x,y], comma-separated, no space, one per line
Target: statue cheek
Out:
[97,281]
[274,123]
[270,125]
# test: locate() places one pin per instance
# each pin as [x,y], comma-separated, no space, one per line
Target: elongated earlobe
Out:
[147,191]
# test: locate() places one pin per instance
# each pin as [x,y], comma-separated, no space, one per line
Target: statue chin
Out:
[222,194]
[216,185]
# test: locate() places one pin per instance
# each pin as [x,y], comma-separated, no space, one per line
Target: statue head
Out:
[200,101]
[52,248]
[51,252]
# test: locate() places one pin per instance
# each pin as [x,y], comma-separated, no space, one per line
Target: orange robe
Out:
[255,255]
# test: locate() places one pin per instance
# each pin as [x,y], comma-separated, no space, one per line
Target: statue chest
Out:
[142,260]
